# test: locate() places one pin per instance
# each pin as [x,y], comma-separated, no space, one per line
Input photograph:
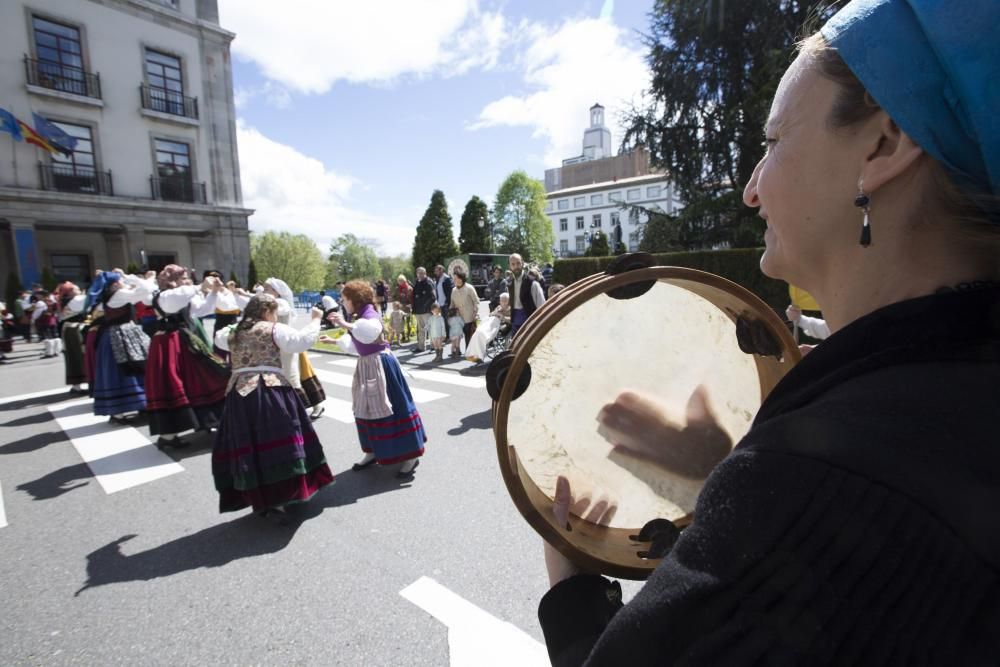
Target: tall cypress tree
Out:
[472,237]
[435,239]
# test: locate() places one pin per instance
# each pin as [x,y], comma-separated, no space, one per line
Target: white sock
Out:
[368,457]
[168,436]
[409,465]
[316,408]
[59,345]
[76,387]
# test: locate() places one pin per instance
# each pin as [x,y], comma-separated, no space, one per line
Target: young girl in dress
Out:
[266,453]
[456,331]
[438,329]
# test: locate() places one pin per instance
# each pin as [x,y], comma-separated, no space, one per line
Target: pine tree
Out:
[14,289]
[435,240]
[472,237]
[233,278]
[252,274]
[48,280]
[132,268]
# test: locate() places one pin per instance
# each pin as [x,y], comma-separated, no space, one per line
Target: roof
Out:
[605,185]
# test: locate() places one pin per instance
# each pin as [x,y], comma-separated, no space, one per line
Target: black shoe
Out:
[362,466]
[78,392]
[314,417]
[124,421]
[409,473]
[176,443]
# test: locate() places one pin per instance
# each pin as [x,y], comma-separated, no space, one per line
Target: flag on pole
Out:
[55,135]
[801,299]
[9,124]
[33,137]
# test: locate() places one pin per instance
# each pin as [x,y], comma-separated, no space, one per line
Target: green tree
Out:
[351,258]
[48,279]
[392,267]
[519,221]
[293,258]
[472,237]
[233,278]
[599,245]
[252,274]
[715,67]
[132,268]
[435,239]
[14,289]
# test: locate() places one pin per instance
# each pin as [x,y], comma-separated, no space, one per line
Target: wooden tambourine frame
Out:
[618,552]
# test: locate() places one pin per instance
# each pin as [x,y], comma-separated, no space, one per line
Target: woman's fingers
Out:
[562,501]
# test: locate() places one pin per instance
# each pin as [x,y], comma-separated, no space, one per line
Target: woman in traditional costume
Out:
[266,453]
[120,348]
[856,522]
[298,369]
[72,316]
[185,381]
[389,426]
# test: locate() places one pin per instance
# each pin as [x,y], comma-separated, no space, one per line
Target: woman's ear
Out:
[893,153]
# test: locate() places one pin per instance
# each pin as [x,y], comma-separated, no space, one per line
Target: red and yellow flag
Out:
[33,137]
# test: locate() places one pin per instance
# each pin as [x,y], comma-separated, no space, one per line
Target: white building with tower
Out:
[594,191]
[145,88]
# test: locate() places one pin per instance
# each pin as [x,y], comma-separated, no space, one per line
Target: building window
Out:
[634,194]
[563,224]
[563,204]
[580,244]
[615,219]
[579,202]
[597,220]
[596,200]
[633,216]
[76,172]
[548,206]
[157,262]
[166,84]
[579,222]
[563,247]
[74,268]
[653,192]
[174,180]
[60,57]
[615,196]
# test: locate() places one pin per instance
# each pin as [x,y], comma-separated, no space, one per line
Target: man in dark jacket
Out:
[442,289]
[496,286]
[423,298]
[526,294]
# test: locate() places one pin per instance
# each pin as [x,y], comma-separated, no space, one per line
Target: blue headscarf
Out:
[97,287]
[934,67]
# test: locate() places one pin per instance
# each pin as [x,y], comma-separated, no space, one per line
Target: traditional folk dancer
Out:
[266,452]
[297,367]
[120,348]
[72,315]
[185,381]
[389,426]
[476,350]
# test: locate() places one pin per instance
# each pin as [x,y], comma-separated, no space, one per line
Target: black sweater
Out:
[858,522]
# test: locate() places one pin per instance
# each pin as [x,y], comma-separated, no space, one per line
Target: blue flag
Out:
[61,141]
[9,124]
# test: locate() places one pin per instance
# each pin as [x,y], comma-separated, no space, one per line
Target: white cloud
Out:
[567,69]
[275,94]
[309,45]
[297,193]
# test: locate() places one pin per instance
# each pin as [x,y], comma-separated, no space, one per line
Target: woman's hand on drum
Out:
[600,512]
[637,426]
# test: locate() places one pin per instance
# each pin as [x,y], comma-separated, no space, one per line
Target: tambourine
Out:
[660,331]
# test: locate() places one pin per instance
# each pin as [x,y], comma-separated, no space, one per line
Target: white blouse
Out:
[365,330]
[173,300]
[288,339]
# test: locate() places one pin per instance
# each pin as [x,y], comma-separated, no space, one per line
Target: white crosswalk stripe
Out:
[120,457]
[3,513]
[339,409]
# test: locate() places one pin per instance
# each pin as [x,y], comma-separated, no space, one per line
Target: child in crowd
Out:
[436,326]
[396,324]
[456,332]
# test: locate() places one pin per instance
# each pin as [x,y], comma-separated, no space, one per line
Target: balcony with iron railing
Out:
[168,102]
[63,78]
[178,188]
[74,178]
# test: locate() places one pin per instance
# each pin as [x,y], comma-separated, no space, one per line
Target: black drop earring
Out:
[862,201]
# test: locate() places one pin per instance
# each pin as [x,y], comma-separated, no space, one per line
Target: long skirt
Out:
[312,388]
[182,390]
[76,372]
[114,391]
[90,356]
[400,436]
[266,452]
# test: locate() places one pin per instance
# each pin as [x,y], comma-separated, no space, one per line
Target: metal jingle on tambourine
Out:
[660,331]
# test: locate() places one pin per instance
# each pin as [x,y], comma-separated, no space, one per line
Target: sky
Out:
[351,113]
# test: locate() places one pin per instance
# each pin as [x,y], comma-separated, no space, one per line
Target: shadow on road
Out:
[244,537]
[57,482]
[32,442]
[480,420]
[36,402]
[37,418]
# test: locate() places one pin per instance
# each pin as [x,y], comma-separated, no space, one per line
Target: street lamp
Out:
[486,223]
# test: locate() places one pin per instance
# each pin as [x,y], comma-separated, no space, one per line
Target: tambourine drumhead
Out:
[585,348]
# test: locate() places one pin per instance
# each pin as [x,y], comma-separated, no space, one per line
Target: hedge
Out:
[741,265]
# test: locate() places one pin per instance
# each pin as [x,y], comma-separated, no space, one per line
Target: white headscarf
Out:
[282,288]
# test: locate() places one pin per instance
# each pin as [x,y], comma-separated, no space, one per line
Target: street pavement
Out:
[112,552]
